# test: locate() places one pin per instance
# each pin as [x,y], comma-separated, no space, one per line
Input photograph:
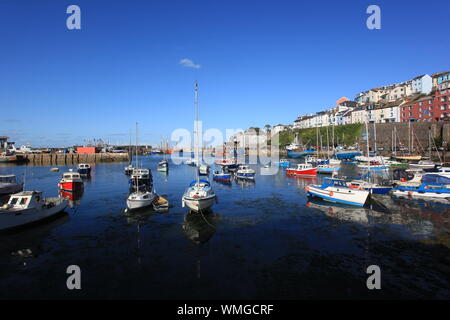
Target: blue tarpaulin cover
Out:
[435,178]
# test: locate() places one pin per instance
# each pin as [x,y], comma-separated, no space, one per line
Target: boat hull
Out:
[22,218]
[336,195]
[85,171]
[71,186]
[198,204]
[303,173]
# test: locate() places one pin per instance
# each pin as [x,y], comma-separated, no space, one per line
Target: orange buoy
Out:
[331,193]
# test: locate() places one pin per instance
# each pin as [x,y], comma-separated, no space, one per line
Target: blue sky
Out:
[261,62]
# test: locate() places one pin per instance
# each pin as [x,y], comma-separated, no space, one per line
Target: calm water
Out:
[263,240]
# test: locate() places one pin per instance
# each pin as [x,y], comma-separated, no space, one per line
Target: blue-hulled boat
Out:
[245,172]
[428,191]
[284,163]
[297,155]
[327,169]
[371,187]
[222,176]
[346,155]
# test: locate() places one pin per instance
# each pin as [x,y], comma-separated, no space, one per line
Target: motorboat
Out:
[29,207]
[71,181]
[336,190]
[163,166]
[302,169]
[428,191]
[203,169]
[327,169]
[199,196]
[245,172]
[140,199]
[191,162]
[222,176]
[84,169]
[9,184]
[371,187]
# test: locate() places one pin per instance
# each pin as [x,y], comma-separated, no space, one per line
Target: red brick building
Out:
[420,109]
[442,97]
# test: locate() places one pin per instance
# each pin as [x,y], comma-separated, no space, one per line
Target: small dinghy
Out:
[54,170]
[29,207]
[284,163]
[160,204]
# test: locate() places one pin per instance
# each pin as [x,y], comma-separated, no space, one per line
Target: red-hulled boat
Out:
[303,169]
[71,181]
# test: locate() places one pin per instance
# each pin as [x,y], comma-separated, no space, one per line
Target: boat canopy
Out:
[435,178]
[201,181]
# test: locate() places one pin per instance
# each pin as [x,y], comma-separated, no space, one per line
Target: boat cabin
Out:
[330,182]
[24,200]
[71,176]
[8,179]
[84,166]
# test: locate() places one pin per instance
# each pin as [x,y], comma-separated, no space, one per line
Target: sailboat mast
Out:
[196,129]
[368,147]
[375,136]
[137,166]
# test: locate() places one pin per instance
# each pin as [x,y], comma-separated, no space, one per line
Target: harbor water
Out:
[263,240]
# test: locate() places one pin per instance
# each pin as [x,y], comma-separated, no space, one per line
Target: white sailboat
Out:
[141,197]
[199,196]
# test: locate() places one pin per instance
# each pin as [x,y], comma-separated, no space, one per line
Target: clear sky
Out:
[257,62]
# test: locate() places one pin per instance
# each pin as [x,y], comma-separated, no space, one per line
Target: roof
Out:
[27,193]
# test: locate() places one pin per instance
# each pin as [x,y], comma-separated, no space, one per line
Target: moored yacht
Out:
[199,196]
[245,172]
[336,190]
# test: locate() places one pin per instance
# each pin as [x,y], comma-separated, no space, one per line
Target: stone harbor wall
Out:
[71,158]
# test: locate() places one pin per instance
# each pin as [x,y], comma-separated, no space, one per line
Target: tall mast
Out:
[137,166]
[196,129]
[375,136]
[368,147]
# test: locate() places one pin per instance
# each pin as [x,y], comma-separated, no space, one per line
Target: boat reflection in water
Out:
[199,227]
[27,242]
[245,183]
[74,197]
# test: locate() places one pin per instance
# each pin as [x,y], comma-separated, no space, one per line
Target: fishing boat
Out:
[222,176]
[163,166]
[203,169]
[29,207]
[84,169]
[140,199]
[71,181]
[302,169]
[327,169]
[336,190]
[371,187]
[245,172]
[9,184]
[199,196]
